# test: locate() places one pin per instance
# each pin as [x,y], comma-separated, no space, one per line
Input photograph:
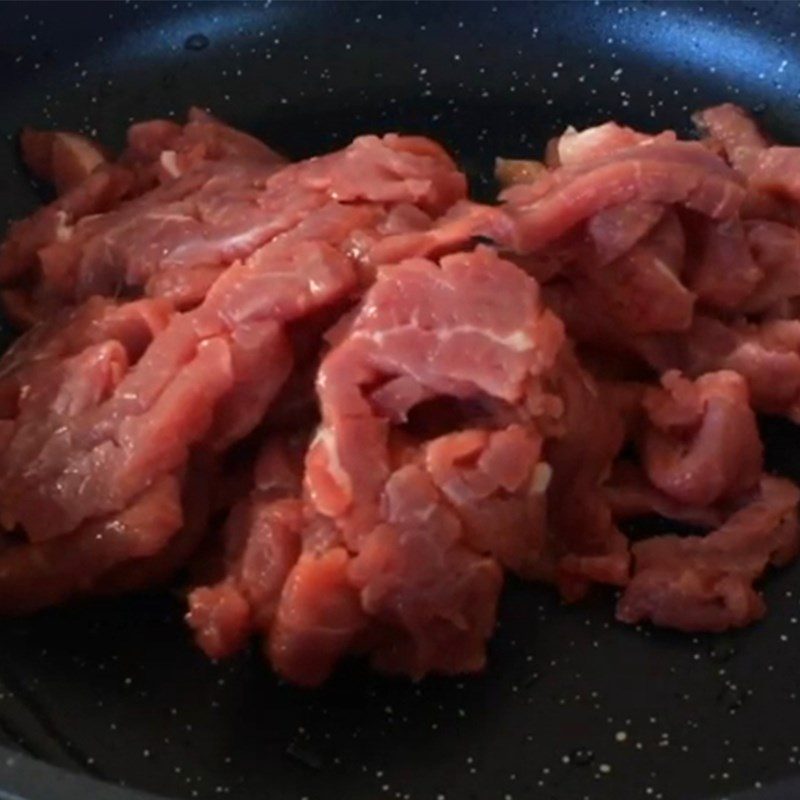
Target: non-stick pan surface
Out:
[572,705]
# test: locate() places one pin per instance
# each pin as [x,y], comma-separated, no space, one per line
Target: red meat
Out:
[167,150]
[678,172]
[313,383]
[63,159]
[584,545]
[587,146]
[101,191]
[631,495]
[766,355]
[706,583]
[641,291]
[730,130]
[424,527]
[52,571]
[702,443]
[722,271]
[230,197]
[776,250]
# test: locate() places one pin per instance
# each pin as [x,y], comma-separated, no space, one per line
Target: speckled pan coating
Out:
[573,706]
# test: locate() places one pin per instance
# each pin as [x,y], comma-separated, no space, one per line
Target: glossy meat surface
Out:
[343,400]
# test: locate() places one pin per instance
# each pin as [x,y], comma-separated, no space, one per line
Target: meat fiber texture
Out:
[674,267]
[311,385]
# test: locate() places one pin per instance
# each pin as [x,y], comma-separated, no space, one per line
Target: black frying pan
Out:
[572,705]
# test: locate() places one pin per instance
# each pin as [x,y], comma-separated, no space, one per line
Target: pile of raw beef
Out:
[341,400]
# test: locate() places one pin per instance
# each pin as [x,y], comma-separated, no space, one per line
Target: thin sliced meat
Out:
[428,595]
[773,171]
[184,288]
[496,482]
[226,220]
[642,290]
[204,137]
[147,140]
[437,596]
[585,546]
[218,210]
[61,158]
[90,184]
[621,271]
[262,361]
[100,192]
[624,395]
[33,576]
[133,324]
[282,281]
[706,583]
[144,425]
[67,464]
[615,230]
[770,170]
[263,543]
[577,304]
[630,494]
[93,421]
[314,386]
[702,444]
[212,215]
[678,173]
[155,570]
[721,270]
[576,147]
[318,619]
[219,617]
[454,231]
[389,169]
[766,355]
[732,131]
[434,327]
[161,150]
[776,250]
